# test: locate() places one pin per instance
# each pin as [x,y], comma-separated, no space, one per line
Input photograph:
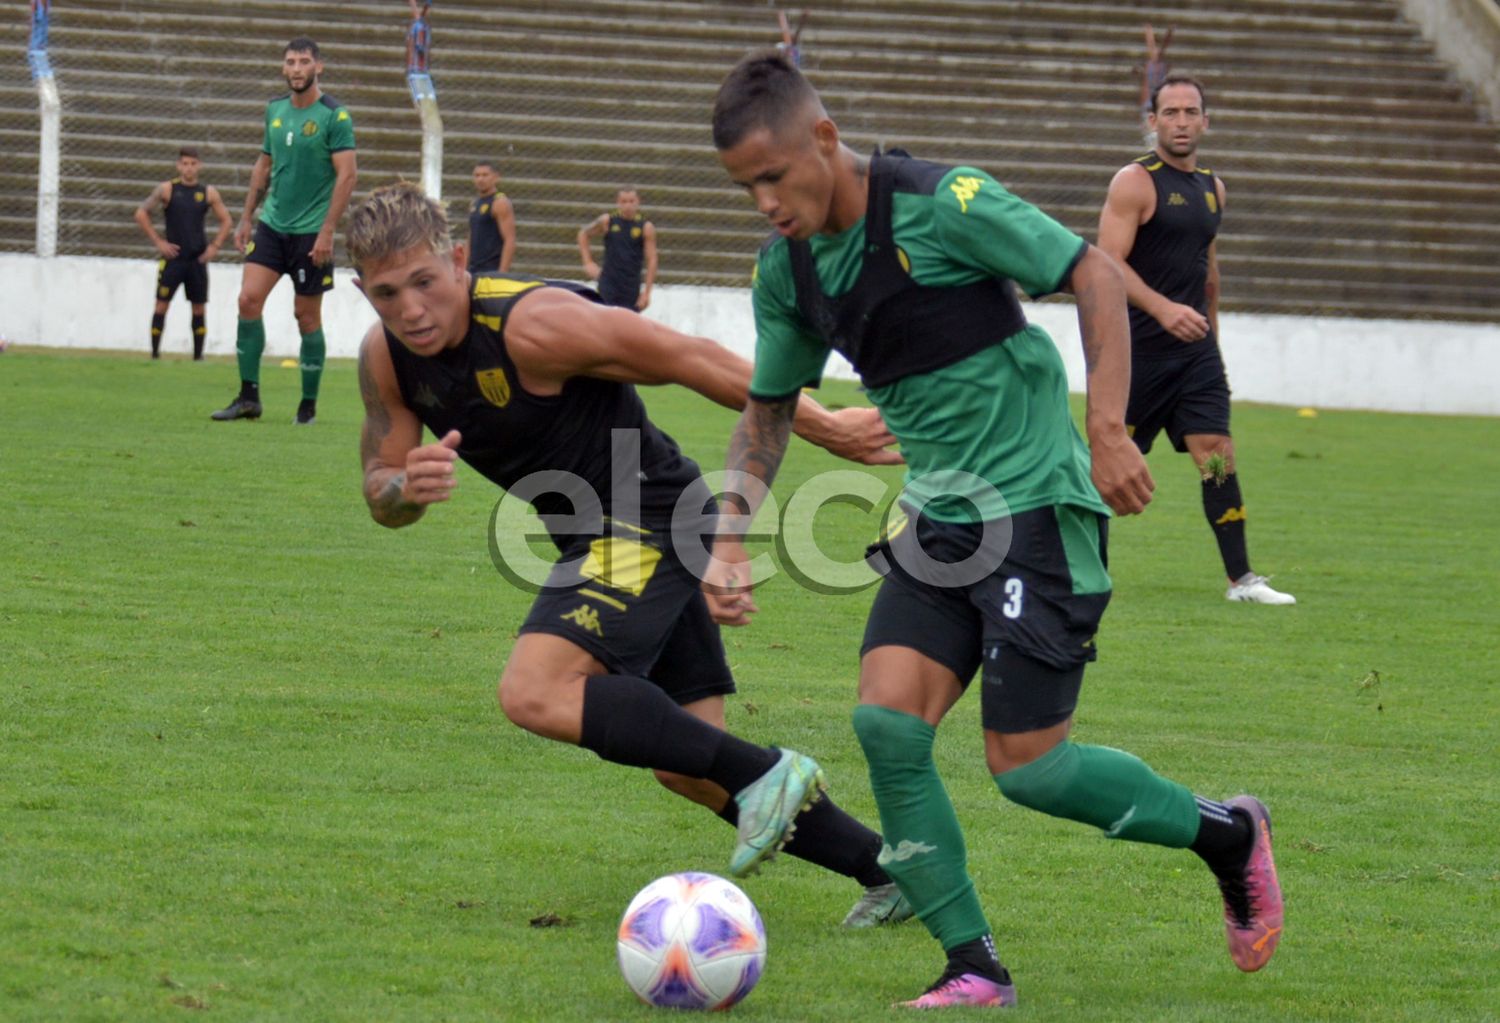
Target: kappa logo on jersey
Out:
[309,127]
[343,116]
[1176,199]
[425,397]
[903,852]
[1232,515]
[614,228]
[276,123]
[494,386]
[585,617]
[966,188]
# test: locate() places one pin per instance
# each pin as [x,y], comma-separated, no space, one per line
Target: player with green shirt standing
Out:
[306,172]
[905,267]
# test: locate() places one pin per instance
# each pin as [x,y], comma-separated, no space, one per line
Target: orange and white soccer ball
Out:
[691,941]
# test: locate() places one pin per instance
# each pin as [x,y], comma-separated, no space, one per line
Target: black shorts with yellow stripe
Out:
[1024,598]
[184,272]
[291,254]
[632,603]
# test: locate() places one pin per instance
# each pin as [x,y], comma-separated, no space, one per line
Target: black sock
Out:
[249,390]
[1225,510]
[627,720]
[829,838]
[978,956]
[308,405]
[1225,836]
[158,321]
[200,331]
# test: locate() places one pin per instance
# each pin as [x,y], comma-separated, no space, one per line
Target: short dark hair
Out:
[1179,78]
[759,92]
[188,151]
[304,44]
[491,164]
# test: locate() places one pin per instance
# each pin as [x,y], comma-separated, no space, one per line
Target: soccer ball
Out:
[691,941]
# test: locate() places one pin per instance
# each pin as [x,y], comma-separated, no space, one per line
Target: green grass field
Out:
[251,762]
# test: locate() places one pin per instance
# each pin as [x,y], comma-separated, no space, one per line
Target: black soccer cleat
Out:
[240,408]
[307,412]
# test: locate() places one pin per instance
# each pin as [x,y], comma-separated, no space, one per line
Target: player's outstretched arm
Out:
[402,477]
[554,334]
[1130,203]
[1119,471]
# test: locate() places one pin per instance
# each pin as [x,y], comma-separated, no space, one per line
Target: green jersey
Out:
[301,144]
[1001,413]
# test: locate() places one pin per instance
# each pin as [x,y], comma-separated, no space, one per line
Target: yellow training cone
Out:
[292,364]
[1308,413]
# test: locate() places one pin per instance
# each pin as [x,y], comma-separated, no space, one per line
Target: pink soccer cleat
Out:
[1252,900]
[963,989]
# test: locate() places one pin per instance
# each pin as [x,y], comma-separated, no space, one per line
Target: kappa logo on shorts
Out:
[586,618]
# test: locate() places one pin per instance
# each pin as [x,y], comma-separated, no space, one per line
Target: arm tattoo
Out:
[387,506]
[377,417]
[759,443]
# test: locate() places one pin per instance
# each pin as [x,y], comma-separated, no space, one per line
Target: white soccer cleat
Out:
[1256,589]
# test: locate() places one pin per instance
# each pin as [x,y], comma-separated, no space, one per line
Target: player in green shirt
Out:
[306,173]
[906,268]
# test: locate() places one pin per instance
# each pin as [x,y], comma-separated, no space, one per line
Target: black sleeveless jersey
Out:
[591,439]
[486,245]
[624,252]
[1171,250]
[887,325]
[184,215]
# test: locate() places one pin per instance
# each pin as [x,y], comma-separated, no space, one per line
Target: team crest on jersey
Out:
[485,208]
[1213,202]
[197,196]
[494,386]
[309,128]
[635,232]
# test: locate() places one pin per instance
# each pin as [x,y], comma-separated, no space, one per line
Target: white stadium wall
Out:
[1324,362]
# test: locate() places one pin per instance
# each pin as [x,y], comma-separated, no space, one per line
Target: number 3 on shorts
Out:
[1014,590]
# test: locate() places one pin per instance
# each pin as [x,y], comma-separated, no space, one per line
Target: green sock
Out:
[313,350]
[1108,788]
[924,847]
[249,342]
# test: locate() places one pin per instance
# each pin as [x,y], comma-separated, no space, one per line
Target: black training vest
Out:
[624,251]
[887,325]
[1171,250]
[184,215]
[508,434]
[486,244]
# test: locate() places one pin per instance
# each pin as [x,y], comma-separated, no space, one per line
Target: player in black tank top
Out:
[629,245]
[492,223]
[1160,223]
[620,654]
[184,249]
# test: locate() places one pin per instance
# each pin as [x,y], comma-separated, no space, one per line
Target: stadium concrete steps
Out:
[1361,179]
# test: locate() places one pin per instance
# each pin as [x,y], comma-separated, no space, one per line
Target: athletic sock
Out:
[1108,788]
[924,846]
[629,721]
[829,838]
[249,391]
[249,342]
[978,956]
[200,332]
[313,350]
[1224,508]
[1226,836]
[158,321]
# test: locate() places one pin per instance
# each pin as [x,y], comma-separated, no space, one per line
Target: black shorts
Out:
[185,271]
[291,254]
[639,611]
[1183,395]
[619,293]
[1030,620]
